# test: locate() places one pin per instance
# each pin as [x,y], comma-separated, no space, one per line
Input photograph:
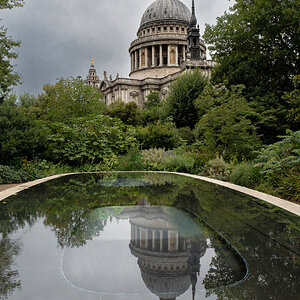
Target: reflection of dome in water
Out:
[168,286]
[168,258]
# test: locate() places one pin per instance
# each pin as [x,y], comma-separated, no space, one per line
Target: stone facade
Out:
[168,43]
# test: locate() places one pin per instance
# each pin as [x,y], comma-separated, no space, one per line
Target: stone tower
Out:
[92,78]
[194,49]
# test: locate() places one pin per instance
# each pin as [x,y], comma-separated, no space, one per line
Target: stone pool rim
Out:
[284,204]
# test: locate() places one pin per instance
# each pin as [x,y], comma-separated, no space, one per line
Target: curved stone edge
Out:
[284,204]
[24,186]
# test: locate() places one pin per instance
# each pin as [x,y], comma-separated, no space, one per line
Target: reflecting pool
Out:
[145,236]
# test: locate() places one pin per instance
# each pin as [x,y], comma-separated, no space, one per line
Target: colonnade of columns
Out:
[157,56]
[156,240]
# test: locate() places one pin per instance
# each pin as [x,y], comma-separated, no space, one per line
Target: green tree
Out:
[21,135]
[152,100]
[180,101]
[293,100]
[226,125]
[280,165]
[153,109]
[158,135]
[128,113]
[257,43]
[68,98]
[93,139]
[8,77]
[10,3]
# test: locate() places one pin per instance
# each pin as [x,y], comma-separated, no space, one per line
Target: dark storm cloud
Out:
[59,38]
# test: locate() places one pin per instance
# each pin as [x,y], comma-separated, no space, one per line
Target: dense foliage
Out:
[161,135]
[66,99]
[226,123]
[21,135]
[8,77]
[257,43]
[10,3]
[128,113]
[293,101]
[90,140]
[180,101]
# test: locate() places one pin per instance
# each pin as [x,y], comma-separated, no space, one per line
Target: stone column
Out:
[177,55]
[122,95]
[145,241]
[168,55]
[184,49]
[126,94]
[169,240]
[140,55]
[153,56]
[135,236]
[153,239]
[160,56]
[161,240]
[135,60]
[146,57]
[132,234]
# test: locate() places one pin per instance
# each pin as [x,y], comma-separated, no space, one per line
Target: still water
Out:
[154,249]
[138,236]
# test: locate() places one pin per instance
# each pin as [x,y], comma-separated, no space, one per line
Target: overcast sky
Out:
[59,37]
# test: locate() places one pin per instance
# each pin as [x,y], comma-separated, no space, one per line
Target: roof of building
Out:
[166,10]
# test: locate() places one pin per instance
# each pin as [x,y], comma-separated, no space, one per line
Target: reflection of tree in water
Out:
[9,277]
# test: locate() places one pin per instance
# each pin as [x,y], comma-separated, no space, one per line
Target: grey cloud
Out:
[60,37]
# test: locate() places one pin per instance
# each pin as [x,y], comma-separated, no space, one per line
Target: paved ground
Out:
[4,187]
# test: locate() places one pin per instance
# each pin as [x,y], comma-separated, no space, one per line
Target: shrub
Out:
[159,135]
[10,174]
[161,160]
[132,161]
[20,135]
[282,157]
[90,140]
[180,162]
[289,186]
[217,168]
[43,168]
[186,134]
[246,174]
[226,126]
[153,158]
[128,113]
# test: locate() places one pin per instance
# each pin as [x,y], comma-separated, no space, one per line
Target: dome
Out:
[166,10]
[166,287]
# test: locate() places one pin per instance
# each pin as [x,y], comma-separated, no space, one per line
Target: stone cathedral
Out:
[168,43]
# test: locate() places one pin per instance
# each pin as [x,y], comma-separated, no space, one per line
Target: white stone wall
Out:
[154,72]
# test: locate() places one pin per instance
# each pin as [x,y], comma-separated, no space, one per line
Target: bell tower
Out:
[194,49]
[93,78]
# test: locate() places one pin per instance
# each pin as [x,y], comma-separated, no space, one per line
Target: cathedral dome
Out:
[166,10]
[166,287]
